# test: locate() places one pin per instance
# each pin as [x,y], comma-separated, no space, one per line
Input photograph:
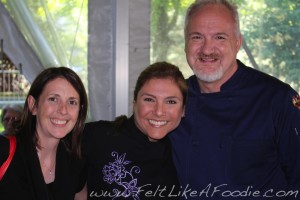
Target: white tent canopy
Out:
[16,47]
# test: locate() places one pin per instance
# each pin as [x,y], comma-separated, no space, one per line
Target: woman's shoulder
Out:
[104,125]
[97,130]
[98,125]
[4,148]
[3,139]
[103,130]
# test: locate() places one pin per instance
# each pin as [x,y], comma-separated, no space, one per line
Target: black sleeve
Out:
[91,133]
[4,149]
[81,172]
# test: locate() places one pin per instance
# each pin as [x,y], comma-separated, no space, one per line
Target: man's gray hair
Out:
[198,4]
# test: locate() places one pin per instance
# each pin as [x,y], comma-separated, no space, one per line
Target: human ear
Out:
[183,112]
[32,104]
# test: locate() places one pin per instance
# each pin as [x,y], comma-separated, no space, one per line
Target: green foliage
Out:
[1,125]
[63,16]
[167,20]
[63,23]
[273,37]
[164,17]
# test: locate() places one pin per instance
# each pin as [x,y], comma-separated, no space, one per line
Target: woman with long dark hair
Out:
[47,163]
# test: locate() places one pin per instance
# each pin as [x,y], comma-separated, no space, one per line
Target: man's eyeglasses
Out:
[8,119]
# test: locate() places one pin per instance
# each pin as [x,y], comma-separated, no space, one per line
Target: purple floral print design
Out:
[115,172]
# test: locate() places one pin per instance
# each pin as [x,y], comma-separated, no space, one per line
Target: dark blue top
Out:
[241,140]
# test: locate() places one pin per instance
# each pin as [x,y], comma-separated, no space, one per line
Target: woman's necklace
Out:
[47,170]
[48,173]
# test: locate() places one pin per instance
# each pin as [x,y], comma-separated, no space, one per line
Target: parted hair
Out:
[161,70]
[27,126]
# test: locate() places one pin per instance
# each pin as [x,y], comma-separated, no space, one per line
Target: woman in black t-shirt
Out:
[131,158]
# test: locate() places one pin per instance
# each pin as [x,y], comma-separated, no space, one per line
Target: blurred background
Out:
[109,42]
